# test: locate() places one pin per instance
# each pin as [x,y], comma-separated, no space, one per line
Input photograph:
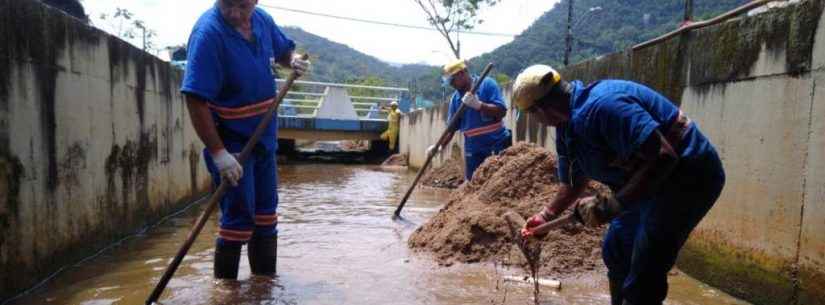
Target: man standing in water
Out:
[482,125]
[664,173]
[393,119]
[229,85]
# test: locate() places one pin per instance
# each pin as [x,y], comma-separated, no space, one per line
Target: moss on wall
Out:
[812,286]
[730,50]
[745,273]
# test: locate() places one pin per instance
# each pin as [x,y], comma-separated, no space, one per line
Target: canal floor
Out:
[337,245]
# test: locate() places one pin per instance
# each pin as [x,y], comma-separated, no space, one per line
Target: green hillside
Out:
[335,62]
[618,25]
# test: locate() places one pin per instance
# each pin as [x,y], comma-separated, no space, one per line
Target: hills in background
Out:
[615,25]
[335,62]
[599,27]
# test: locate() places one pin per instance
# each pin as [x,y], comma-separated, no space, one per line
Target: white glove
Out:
[299,65]
[228,166]
[433,149]
[471,100]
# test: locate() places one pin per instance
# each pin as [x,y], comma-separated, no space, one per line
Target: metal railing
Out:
[307,98]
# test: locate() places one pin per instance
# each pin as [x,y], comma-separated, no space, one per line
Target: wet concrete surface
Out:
[338,245]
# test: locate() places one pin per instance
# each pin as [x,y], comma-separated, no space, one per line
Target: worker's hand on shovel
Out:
[471,100]
[539,219]
[595,211]
[299,64]
[228,166]
[433,149]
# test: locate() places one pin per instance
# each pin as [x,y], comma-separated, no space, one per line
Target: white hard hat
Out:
[532,84]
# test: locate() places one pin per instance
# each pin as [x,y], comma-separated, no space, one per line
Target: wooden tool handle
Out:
[554,224]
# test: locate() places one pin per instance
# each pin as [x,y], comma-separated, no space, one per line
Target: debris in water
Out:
[543,281]
[531,248]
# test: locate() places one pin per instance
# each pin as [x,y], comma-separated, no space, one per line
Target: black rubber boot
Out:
[227,258]
[263,255]
[616,297]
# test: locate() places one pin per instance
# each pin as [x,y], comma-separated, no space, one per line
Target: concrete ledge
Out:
[744,273]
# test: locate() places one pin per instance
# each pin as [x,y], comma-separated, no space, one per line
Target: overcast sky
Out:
[173,20]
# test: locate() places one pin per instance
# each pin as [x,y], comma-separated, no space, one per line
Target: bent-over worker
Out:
[229,85]
[664,173]
[481,123]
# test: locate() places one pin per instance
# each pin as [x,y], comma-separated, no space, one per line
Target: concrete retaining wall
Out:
[755,87]
[95,142]
[422,128]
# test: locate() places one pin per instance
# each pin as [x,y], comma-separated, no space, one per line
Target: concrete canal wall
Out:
[95,142]
[422,128]
[756,87]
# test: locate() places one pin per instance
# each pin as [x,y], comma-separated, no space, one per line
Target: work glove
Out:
[433,149]
[471,100]
[595,211]
[299,65]
[536,220]
[228,166]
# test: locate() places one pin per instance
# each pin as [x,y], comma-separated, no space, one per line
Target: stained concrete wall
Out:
[95,142]
[756,87]
[421,128]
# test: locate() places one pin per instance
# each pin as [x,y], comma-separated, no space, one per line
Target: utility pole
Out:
[569,39]
[688,10]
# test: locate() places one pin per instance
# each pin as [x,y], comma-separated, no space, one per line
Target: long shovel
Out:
[218,194]
[533,253]
[450,127]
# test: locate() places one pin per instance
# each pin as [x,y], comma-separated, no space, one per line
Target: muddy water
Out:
[337,246]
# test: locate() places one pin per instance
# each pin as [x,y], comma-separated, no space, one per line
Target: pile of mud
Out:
[449,175]
[470,227]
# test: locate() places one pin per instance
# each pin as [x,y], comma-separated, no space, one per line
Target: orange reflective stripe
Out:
[234,235]
[483,130]
[266,220]
[242,112]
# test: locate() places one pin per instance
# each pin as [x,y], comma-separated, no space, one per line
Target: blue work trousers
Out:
[251,206]
[641,245]
[472,160]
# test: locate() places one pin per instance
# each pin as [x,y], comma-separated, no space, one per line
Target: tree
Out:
[371,80]
[451,17]
[123,24]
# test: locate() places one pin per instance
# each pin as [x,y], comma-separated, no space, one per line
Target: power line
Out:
[417,27]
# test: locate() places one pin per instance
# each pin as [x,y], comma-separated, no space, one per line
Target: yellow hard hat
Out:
[451,69]
[532,84]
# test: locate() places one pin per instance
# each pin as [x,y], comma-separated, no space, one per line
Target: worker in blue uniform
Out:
[482,125]
[664,173]
[229,85]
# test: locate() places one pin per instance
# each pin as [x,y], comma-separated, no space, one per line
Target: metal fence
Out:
[306,99]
